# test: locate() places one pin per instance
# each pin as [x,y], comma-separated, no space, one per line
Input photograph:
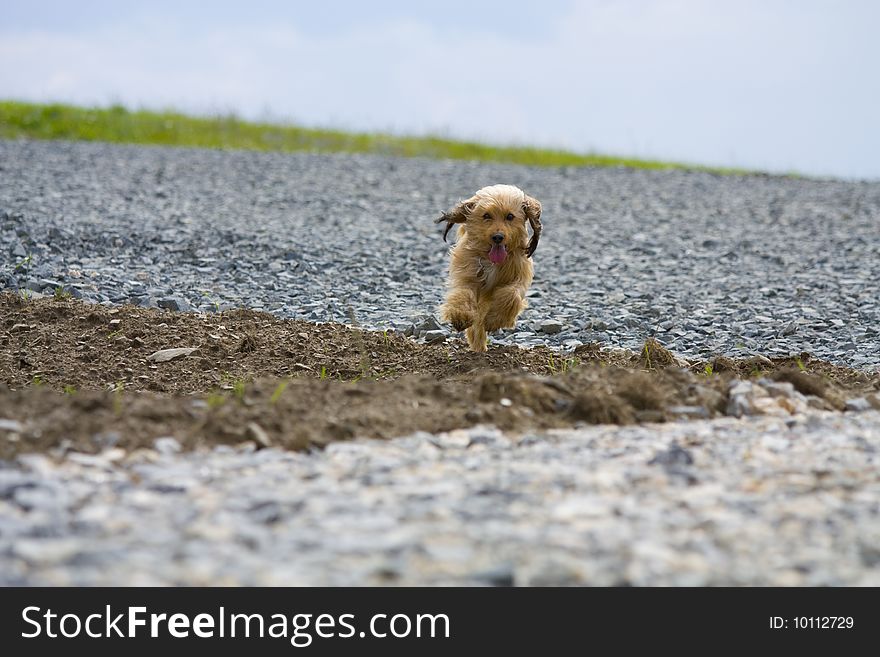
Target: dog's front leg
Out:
[460,308]
[477,337]
[505,305]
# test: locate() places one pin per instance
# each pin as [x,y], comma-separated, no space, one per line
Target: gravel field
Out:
[759,501]
[707,264]
[787,494]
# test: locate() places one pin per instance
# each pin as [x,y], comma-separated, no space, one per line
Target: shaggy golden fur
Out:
[490,265]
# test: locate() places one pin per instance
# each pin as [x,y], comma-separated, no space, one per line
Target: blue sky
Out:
[772,85]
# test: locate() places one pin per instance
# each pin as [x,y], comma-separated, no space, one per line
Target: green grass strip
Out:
[169,128]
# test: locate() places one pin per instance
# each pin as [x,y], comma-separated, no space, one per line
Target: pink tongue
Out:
[497,254]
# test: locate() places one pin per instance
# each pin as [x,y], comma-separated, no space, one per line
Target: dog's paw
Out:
[460,321]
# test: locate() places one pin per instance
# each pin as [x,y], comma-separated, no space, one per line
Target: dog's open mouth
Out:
[497,254]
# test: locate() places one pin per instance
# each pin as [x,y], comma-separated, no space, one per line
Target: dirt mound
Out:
[86,377]
[69,343]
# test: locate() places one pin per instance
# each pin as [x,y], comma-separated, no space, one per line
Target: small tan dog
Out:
[490,267]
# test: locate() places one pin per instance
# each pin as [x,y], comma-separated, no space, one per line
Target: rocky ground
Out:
[84,377]
[142,444]
[761,501]
[707,264]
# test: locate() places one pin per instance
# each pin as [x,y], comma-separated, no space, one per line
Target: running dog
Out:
[490,265]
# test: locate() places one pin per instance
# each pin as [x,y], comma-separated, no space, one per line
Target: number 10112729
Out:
[812,622]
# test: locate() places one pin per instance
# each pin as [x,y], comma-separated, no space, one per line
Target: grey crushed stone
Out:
[707,264]
[761,501]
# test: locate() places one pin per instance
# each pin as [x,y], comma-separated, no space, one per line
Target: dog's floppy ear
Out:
[532,208]
[457,215]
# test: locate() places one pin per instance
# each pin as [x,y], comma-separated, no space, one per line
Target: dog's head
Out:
[495,219]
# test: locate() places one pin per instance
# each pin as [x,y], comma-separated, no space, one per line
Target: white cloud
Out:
[761,84]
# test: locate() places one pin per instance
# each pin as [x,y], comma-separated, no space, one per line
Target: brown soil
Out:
[78,376]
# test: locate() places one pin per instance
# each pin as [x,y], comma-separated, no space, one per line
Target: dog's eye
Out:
[510,216]
[487,216]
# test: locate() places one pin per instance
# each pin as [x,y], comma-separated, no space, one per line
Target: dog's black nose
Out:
[498,238]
